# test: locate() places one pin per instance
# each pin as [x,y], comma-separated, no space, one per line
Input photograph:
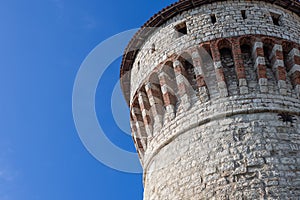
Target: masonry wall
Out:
[215,111]
[200,29]
[254,156]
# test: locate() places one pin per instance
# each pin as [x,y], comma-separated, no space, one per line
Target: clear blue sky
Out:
[42,45]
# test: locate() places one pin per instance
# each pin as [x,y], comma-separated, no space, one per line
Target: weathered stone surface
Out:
[215,111]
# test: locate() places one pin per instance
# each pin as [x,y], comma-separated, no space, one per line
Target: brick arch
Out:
[292,61]
[268,44]
[155,95]
[188,68]
[153,78]
[271,73]
[198,60]
[185,55]
[206,47]
[247,44]
[269,41]
[145,109]
[225,50]
[228,64]
[138,124]
[205,54]
[287,46]
[202,62]
[168,69]
[208,69]
[248,40]
[169,88]
[137,140]
[224,43]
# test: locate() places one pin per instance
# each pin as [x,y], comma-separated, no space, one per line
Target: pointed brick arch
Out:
[201,58]
[145,110]
[292,53]
[138,124]
[229,65]
[188,70]
[247,53]
[224,43]
[208,70]
[185,79]
[155,96]
[137,140]
[268,44]
[221,84]
[276,71]
[248,39]
[287,47]
[167,79]
[206,47]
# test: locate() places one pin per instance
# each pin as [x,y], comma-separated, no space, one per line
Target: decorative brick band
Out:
[169,89]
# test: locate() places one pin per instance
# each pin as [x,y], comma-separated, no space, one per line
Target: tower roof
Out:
[167,13]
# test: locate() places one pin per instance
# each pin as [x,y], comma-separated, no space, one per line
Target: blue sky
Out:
[42,45]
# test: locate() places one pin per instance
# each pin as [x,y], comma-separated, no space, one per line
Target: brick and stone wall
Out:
[253,156]
[200,29]
[215,108]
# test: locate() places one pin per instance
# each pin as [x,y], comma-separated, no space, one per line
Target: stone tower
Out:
[214,96]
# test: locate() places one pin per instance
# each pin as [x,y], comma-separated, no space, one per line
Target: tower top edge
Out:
[172,10]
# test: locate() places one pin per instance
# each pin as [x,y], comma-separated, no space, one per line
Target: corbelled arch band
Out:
[181,79]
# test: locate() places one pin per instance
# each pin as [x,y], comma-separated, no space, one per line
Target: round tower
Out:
[214,96]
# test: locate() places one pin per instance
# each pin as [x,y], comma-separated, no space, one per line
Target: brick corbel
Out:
[139,124]
[278,68]
[202,88]
[145,108]
[294,73]
[223,92]
[239,66]
[184,88]
[156,102]
[169,90]
[260,66]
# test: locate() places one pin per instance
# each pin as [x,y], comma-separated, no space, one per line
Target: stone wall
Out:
[239,66]
[215,108]
[200,29]
[254,156]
